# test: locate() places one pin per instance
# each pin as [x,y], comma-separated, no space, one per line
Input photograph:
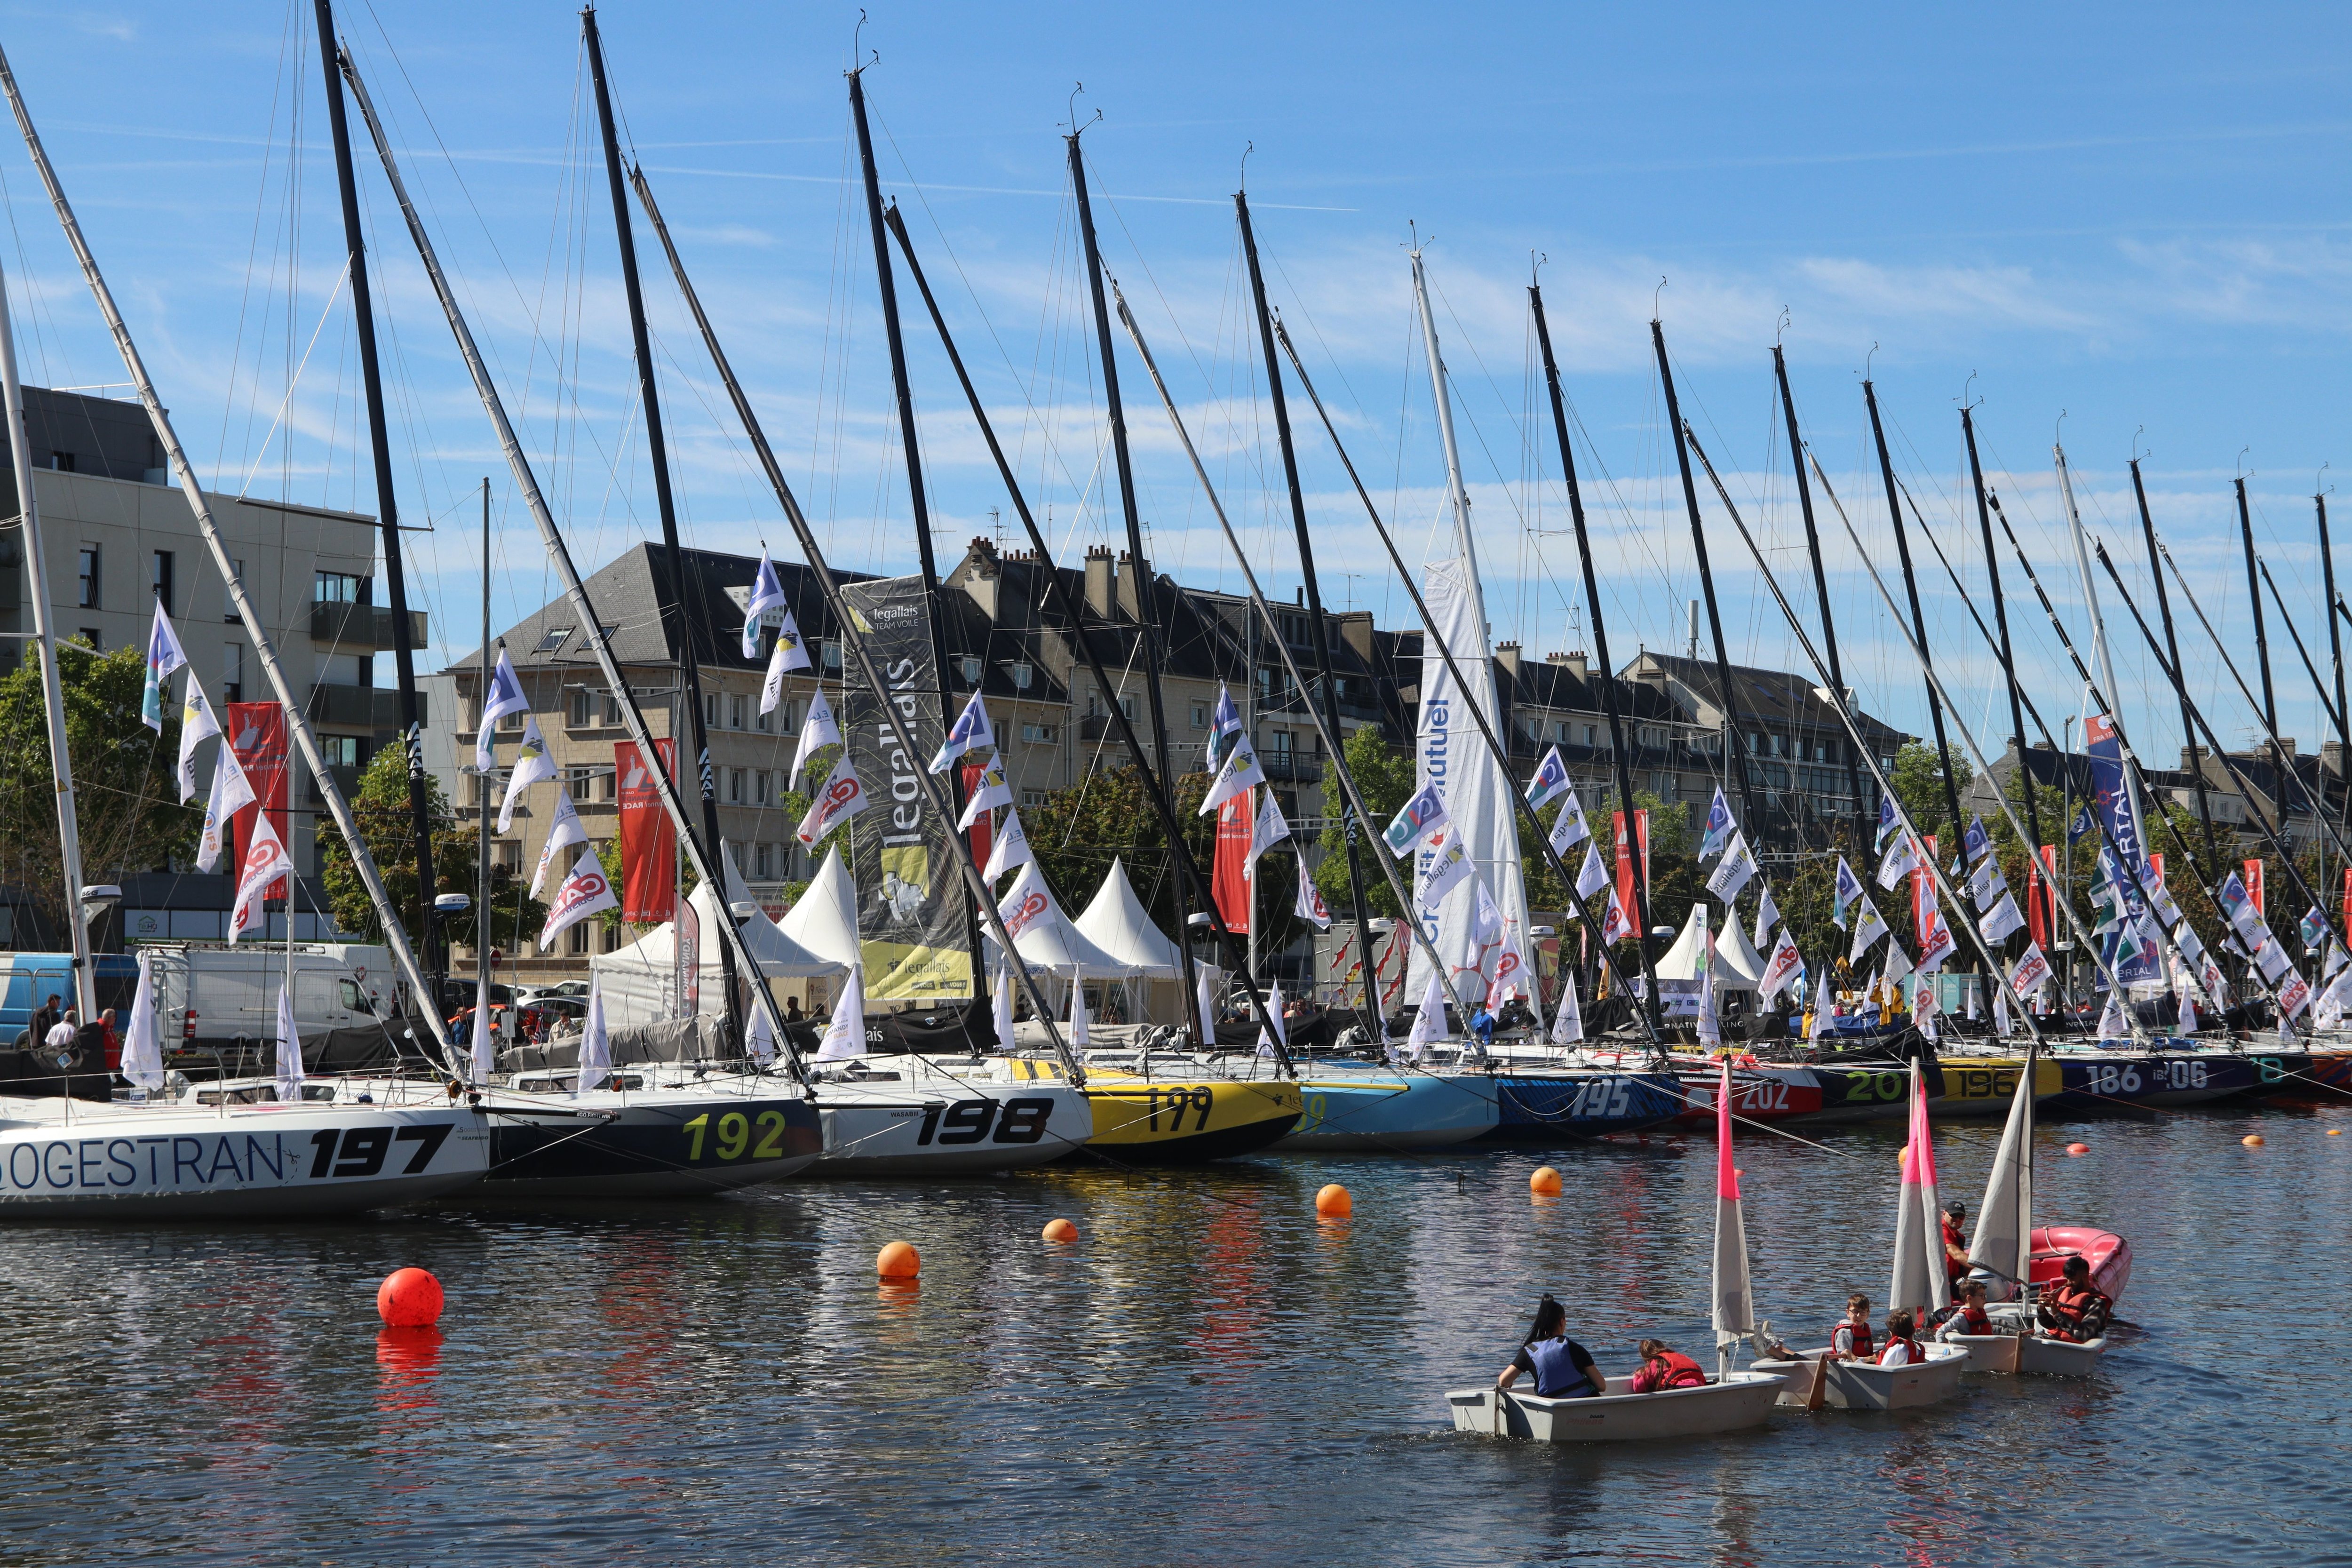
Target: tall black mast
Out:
[917,499]
[1618,753]
[2255,594]
[1147,614]
[2172,650]
[1864,819]
[2008,658]
[1918,621]
[435,951]
[1319,632]
[683,624]
[1732,736]
[2336,650]
[1073,608]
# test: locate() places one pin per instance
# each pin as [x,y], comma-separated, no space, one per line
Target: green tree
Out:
[381,807]
[126,803]
[1075,833]
[1384,776]
[1918,779]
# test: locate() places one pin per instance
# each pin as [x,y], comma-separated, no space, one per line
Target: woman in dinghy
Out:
[1561,1368]
[1663,1369]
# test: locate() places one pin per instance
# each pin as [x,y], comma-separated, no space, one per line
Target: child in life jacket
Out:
[1902,1349]
[2075,1309]
[1663,1369]
[1851,1339]
[1967,1315]
[1561,1368]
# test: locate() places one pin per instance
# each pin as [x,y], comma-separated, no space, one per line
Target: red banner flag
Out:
[2347,898]
[2253,886]
[256,733]
[982,832]
[2040,905]
[648,841]
[1229,883]
[1626,863]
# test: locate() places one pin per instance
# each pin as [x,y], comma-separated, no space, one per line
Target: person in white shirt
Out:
[1902,1350]
[61,1037]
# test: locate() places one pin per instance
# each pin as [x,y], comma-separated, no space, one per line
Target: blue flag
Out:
[1887,822]
[1224,728]
[1720,827]
[1977,841]
[1849,889]
[1551,781]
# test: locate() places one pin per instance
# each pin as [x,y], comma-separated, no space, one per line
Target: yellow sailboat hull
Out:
[1164,1120]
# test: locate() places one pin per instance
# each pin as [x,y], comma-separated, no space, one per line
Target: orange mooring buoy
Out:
[409,1299]
[899,1261]
[1333,1202]
[1060,1230]
[1544,1182]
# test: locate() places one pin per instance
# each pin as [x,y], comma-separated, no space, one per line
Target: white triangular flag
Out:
[265,861]
[532,765]
[290,1051]
[595,1040]
[844,1036]
[1011,848]
[143,1037]
[505,697]
[196,723]
[565,830]
[818,730]
[1267,830]
[787,655]
[587,891]
[767,594]
[232,793]
[1078,1033]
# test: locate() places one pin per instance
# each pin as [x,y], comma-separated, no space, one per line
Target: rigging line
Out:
[294,382]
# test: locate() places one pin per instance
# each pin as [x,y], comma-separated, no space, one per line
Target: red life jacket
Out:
[1861,1333]
[1973,1319]
[2073,1306]
[1916,1357]
[1669,1369]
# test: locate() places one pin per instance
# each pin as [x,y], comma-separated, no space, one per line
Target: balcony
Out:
[1291,767]
[359,628]
[371,708]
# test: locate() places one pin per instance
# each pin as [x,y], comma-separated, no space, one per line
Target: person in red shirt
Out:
[1955,1242]
[1663,1369]
[113,1041]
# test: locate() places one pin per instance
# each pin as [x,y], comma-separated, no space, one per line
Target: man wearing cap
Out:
[1956,1243]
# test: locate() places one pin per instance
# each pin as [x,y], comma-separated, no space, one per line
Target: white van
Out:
[220,992]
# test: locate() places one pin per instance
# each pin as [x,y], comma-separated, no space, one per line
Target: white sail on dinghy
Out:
[2001,1253]
[1729,1401]
[1818,1379]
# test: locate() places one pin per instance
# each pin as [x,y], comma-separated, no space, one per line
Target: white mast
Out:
[53,703]
[1455,490]
[395,936]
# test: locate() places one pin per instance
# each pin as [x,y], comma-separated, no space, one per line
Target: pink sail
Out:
[1911,1286]
[1735,1307]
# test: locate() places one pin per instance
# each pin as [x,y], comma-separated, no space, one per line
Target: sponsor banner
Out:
[2137,961]
[256,733]
[648,839]
[911,898]
[1229,878]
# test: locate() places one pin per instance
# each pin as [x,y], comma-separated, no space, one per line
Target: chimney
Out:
[1693,629]
[2331,757]
[1130,603]
[1573,661]
[1098,582]
[1507,654]
[1356,631]
[2286,744]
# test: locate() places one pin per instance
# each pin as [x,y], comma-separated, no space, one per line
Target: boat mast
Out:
[917,498]
[2172,648]
[2335,652]
[2100,652]
[434,954]
[1147,614]
[45,648]
[2008,658]
[1735,759]
[559,556]
[2278,603]
[1620,758]
[1918,621]
[681,626]
[1863,820]
[1457,491]
[396,935]
[1073,609]
[485,926]
[850,636]
[2255,595]
[1352,828]
[1453,670]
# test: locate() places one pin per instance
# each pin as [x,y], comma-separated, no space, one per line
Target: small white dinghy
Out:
[1920,1283]
[2002,1251]
[1726,1403]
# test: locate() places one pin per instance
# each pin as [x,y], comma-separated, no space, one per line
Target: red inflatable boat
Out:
[2108,1255]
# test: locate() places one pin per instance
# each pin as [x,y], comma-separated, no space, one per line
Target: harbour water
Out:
[1209,1375]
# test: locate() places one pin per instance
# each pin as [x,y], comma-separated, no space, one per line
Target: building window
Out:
[341,751]
[555,638]
[735,786]
[88,577]
[1032,797]
[63,462]
[507,852]
[580,784]
[89,636]
[228,600]
[233,673]
[764,722]
[1023,673]
[577,712]
[338,587]
[510,721]
[1199,715]
[764,859]
[736,709]
[576,939]
[830,653]
[163,580]
[1041,734]
[711,710]
[970,666]
[612,708]
[760,791]
[608,784]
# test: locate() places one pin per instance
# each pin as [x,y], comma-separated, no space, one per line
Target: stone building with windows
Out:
[118,538]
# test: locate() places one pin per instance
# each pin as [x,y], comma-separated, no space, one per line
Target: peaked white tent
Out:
[1118,923]
[823,920]
[637,980]
[1059,947]
[1737,967]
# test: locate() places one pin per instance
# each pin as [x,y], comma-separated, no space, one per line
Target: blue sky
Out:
[2136,216]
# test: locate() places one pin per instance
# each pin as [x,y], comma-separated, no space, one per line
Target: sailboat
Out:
[1726,1403]
[1919,1282]
[2008,1254]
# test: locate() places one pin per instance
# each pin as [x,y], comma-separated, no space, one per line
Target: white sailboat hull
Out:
[2033,1356]
[134,1161]
[1858,1386]
[1742,1400]
[930,1125]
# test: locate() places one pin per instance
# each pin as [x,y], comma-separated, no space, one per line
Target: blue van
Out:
[34,977]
